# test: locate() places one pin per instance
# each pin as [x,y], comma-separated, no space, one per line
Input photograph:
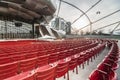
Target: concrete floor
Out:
[118,70]
[84,73]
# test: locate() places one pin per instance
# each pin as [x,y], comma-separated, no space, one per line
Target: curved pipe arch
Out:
[80,11]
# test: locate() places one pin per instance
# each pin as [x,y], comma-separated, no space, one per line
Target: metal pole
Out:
[33,30]
[86,11]
[115,28]
[100,19]
[5,29]
[107,25]
[90,23]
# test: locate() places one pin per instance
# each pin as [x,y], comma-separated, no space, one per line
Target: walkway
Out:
[118,70]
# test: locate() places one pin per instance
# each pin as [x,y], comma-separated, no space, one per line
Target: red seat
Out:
[62,68]
[69,53]
[74,62]
[30,55]
[18,57]
[107,68]
[41,53]
[98,75]
[8,70]
[62,55]
[104,67]
[23,76]
[53,57]
[46,72]
[81,60]
[28,64]
[42,60]
[114,65]
[4,60]
[112,75]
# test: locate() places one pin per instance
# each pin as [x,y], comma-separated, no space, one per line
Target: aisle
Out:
[84,73]
[118,70]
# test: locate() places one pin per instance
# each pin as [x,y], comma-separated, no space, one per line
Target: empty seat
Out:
[27,64]
[113,76]
[107,68]
[42,60]
[31,55]
[104,67]
[53,57]
[74,62]
[8,70]
[114,65]
[18,57]
[4,60]
[46,72]
[62,68]
[98,75]
[23,76]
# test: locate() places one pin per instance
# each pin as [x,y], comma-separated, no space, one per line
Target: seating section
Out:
[106,69]
[44,60]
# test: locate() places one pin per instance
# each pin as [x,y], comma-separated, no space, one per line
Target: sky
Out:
[105,7]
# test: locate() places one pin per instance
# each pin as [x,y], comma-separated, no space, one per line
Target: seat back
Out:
[98,75]
[53,57]
[4,60]
[62,67]
[104,67]
[42,60]
[8,70]
[73,63]
[46,72]
[28,64]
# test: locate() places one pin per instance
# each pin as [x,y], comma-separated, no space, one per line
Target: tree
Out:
[100,32]
[87,33]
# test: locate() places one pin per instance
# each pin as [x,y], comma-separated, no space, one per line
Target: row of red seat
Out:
[33,50]
[28,64]
[106,69]
[63,63]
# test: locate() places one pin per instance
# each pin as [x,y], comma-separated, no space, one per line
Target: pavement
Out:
[118,70]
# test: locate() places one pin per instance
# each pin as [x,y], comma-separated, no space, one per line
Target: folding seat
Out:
[41,53]
[107,68]
[98,75]
[62,68]
[114,65]
[112,58]
[42,60]
[3,54]
[112,75]
[104,67]
[31,55]
[87,56]
[18,57]
[69,53]
[4,60]
[81,60]
[62,55]
[23,76]
[47,72]
[53,57]
[8,70]
[27,64]
[74,62]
